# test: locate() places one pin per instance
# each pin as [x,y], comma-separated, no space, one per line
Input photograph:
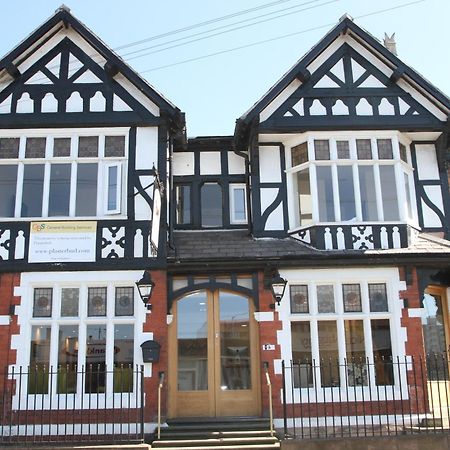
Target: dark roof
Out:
[236,247]
[64,18]
[346,25]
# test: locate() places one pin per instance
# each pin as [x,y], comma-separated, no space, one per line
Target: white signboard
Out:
[156,218]
[62,242]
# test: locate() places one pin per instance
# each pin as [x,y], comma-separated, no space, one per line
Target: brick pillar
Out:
[414,345]
[156,322]
[268,335]
[7,302]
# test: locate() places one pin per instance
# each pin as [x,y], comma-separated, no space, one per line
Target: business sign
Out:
[62,242]
[156,218]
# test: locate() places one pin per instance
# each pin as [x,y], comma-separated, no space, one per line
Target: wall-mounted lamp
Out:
[145,287]
[276,284]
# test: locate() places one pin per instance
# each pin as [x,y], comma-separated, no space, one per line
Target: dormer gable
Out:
[348,78]
[63,73]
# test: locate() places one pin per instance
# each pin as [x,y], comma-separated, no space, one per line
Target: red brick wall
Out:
[414,344]
[268,335]
[156,322]
[7,283]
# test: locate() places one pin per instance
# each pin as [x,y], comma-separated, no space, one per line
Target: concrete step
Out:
[229,447]
[214,442]
[169,433]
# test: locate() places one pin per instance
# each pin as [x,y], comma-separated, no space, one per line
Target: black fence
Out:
[43,404]
[358,397]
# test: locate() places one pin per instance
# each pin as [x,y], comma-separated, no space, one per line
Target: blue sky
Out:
[214,91]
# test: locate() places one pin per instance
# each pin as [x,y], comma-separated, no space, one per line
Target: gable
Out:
[66,85]
[348,90]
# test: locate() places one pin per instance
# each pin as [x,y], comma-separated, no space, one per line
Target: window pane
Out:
[35,148]
[88,146]
[403,153]
[368,195]
[9,148]
[97,301]
[356,353]
[192,335]
[433,324]
[389,193]
[343,149]
[183,204]
[299,299]
[346,193]
[61,147]
[299,154]
[325,298]
[114,146]
[325,194]
[33,187]
[95,377]
[352,297]
[364,148]
[304,197]
[329,354]
[239,212]
[39,360]
[86,201]
[59,196]
[42,302]
[408,195]
[123,358]
[8,182]
[67,359]
[322,149]
[234,321]
[384,148]
[378,297]
[382,351]
[211,205]
[70,298]
[301,354]
[124,301]
[112,187]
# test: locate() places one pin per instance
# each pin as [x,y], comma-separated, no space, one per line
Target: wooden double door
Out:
[213,356]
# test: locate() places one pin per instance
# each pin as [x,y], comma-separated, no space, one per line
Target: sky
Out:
[215,90]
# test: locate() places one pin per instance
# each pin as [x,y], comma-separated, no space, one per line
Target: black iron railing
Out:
[358,397]
[45,404]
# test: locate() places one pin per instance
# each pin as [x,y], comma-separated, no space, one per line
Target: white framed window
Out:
[81,336]
[238,203]
[62,173]
[350,178]
[341,334]
[113,188]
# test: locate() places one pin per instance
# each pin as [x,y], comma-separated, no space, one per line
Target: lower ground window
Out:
[78,323]
[343,339]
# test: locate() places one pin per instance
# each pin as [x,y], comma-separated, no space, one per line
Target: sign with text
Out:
[62,241]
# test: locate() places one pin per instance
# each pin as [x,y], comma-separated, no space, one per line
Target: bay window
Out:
[350,180]
[71,176]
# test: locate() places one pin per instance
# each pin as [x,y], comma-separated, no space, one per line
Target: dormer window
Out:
[351,179]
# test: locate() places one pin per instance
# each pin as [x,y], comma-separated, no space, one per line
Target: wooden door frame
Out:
[441,291]
[213,395]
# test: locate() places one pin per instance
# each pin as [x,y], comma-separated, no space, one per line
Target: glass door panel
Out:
[192,338]
[234,342]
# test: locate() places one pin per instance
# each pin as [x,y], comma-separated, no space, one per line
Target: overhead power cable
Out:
[290,9]
[201,24]
[276,38]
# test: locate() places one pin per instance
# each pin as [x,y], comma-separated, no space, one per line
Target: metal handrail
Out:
[160,386]
[269,385]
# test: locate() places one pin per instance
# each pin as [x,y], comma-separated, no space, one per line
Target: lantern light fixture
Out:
[145,288]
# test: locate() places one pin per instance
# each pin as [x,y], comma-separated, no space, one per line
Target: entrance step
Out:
[217,433]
